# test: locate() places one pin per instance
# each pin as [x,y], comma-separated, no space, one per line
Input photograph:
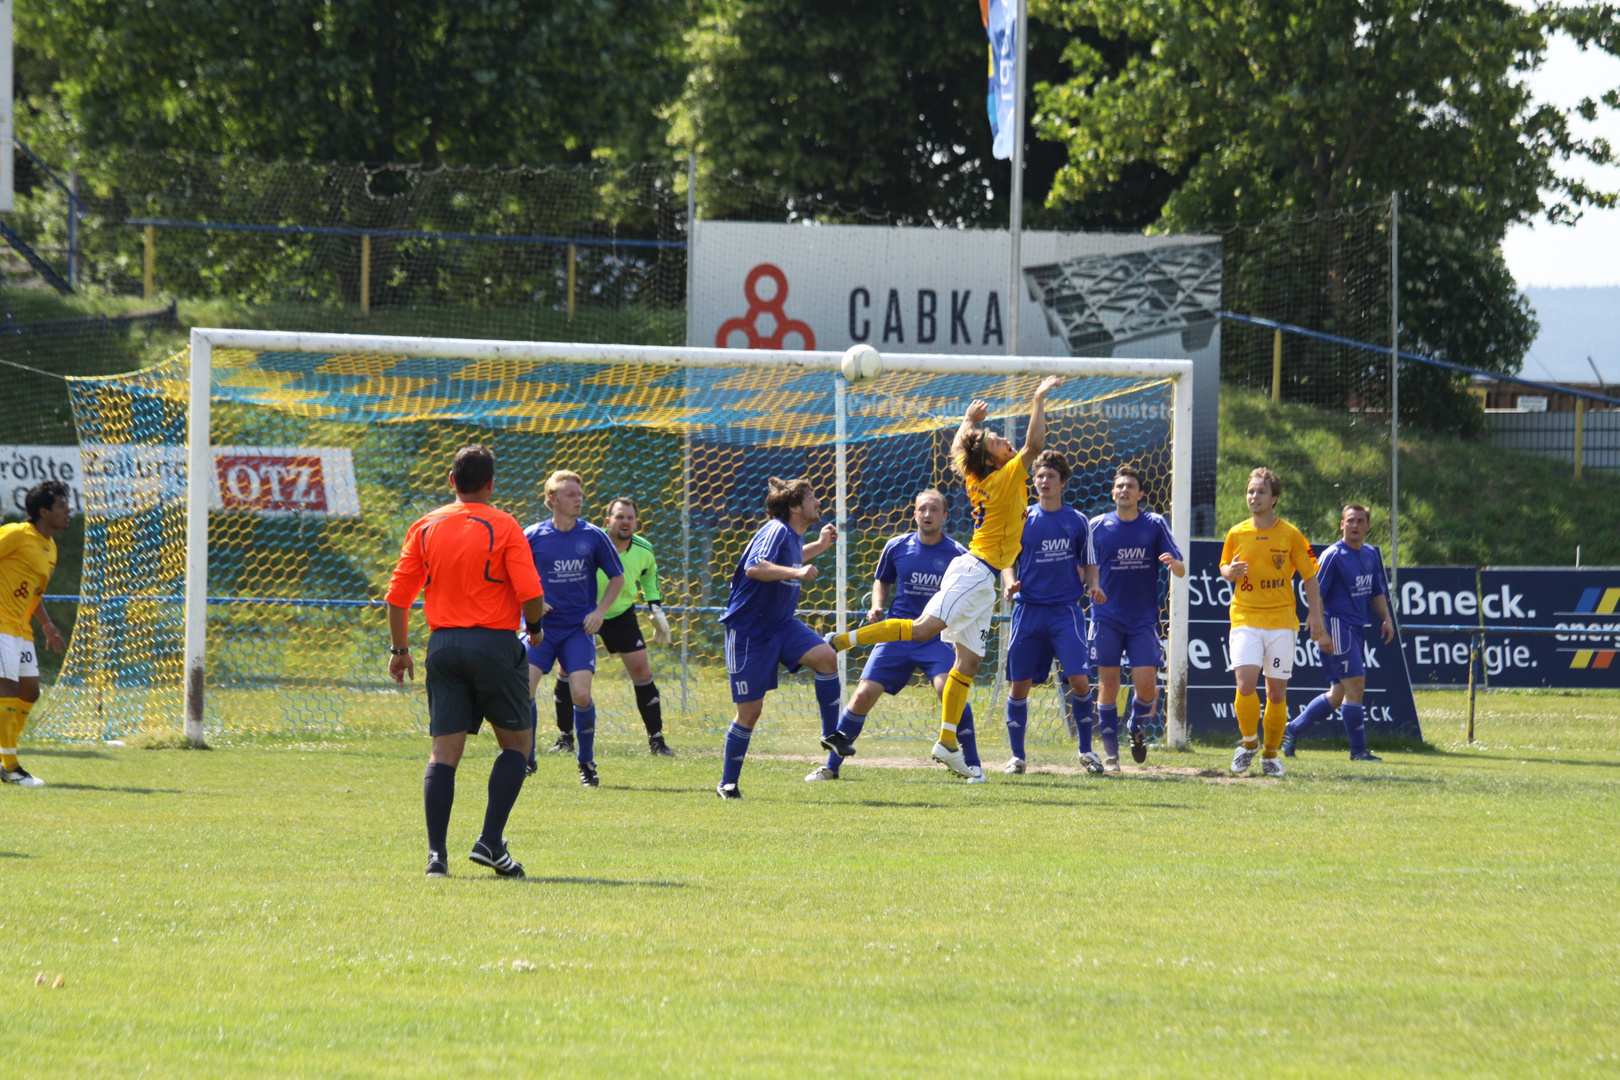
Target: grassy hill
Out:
[1462,502]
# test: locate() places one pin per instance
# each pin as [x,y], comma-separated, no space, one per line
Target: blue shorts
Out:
[751,662]
[1346,661]
[571,649]
[893,662]
[1110,643]
[1042,632]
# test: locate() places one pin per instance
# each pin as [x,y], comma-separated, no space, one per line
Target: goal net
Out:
[322,449]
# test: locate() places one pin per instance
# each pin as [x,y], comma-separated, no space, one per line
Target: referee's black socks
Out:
[650,707]
[438,795]
[505,781]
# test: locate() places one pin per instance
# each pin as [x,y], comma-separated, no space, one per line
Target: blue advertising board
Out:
[1583,601]
[1391,712]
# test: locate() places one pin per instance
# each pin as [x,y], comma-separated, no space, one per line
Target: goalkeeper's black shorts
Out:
[622,633]
[476,674]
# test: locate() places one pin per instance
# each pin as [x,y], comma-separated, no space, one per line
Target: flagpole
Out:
[1015,213]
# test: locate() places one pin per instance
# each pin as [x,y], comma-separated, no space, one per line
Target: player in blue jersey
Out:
[568,552]
[908,576]
[1056,569]
[1351,576]
[762,627]
[1131,544]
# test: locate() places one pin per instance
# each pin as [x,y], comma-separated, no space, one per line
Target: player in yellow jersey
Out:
[997,479]
[1260,559]
[27,560]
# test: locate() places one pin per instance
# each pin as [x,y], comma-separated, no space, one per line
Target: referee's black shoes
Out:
[436,866]
[496,857]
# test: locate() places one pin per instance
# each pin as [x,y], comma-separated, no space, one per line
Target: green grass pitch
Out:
[260,910]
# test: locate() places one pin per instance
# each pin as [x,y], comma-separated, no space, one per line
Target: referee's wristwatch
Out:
[399,652]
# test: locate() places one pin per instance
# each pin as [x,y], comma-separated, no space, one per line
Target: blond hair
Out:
[558,479]
[1263,473]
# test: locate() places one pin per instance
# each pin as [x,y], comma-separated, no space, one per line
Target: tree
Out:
[470,81]
[853,109]
[1270,109]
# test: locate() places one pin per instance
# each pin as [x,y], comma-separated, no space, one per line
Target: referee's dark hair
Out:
[42,496]
[474,469]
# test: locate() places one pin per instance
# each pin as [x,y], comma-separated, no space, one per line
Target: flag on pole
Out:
[1001,27]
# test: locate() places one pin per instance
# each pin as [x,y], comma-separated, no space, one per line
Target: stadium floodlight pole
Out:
[199,478]
[841,513]
[1394,387]
[1015,212]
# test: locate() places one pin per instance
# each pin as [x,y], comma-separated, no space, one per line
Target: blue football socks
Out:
[968,739]
[829,688]
[1320,708]
[1108,728]
[737,738]
[1017,724]
[849,726]
[585,730]
[1080,709]
[1141,713]
[1355,727]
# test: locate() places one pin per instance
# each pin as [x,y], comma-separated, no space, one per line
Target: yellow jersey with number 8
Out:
[1264,597]
[999,503]
[27,561]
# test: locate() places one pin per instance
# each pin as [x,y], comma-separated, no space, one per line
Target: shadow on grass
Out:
[15,855]
[656,790]
[120,790]
[41,751]
[1364,778]
[1534,760]
[601,881]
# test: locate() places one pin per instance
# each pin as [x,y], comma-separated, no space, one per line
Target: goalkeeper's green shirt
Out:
[640,576]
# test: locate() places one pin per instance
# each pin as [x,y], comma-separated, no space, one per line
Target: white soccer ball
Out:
[860,363]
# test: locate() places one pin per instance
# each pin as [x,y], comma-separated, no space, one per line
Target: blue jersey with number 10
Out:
[757,609]
[1128,567]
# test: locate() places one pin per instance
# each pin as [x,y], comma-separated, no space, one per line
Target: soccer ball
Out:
[860,363]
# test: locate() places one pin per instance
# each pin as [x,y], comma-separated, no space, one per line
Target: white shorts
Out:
[19,659]
[966,603]
[1272,651]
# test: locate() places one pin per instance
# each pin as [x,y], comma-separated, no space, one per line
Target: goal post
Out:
[721,419]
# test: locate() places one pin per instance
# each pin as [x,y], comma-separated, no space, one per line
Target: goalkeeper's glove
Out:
[660,623]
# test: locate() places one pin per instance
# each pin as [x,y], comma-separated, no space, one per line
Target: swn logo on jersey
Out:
[567,566]
[780,325]
[1364,584]
[924,581]
[1061,544]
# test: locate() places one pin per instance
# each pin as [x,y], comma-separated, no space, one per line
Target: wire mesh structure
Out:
[323,458]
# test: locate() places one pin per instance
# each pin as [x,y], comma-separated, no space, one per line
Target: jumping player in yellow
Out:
[27,560]
[1260,559]
[997,479]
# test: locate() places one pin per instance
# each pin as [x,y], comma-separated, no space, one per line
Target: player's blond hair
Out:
[558,479]
[1263,473]
[970,455]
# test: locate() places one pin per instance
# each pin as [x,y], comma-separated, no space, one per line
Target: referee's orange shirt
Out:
[475,563]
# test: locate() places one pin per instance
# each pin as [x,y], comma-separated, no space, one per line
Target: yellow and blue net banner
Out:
[322,460]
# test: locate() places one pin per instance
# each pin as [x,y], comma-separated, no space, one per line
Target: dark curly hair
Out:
[42,496]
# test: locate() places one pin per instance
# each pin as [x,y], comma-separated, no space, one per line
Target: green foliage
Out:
[1461,504]
[479,81]
[260,910]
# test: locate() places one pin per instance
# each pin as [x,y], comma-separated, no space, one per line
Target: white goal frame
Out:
[200,460]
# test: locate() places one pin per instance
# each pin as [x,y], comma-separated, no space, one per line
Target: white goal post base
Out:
[200,466]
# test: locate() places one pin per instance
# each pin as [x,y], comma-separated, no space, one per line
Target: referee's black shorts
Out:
[622,633]
[476,674]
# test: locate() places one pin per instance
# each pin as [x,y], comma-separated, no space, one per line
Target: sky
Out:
[1571,274]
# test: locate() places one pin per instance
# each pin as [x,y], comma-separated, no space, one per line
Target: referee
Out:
[479,575]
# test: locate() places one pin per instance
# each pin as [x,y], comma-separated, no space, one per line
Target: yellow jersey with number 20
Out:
[999,505]
[27,560]
[1264,598]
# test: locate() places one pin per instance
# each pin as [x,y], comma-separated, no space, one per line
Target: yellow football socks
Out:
[1276,725]
[13,714]
[952,703]
[875,634]
[1247,709]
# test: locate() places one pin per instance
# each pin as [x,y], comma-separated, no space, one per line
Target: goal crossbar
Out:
[1179,373]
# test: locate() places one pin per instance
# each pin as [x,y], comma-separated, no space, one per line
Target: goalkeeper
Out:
[621,632]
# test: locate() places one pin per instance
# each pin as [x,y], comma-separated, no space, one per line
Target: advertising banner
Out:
[1391,712]
[120,479]
[1583,601]
[771,286]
